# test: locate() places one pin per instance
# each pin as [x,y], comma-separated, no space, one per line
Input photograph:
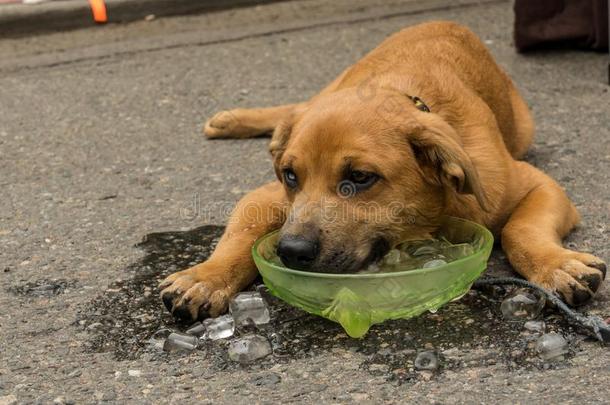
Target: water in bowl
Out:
[416,254]
[420,254]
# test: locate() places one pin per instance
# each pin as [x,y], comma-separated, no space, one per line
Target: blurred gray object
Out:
[558,23]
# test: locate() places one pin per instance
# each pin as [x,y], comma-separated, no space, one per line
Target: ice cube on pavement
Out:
[426,361]
[551,346]
[523,303]
[434,263]
[178,341]
[219,328]
[196,329]
[251,305]
[157,340]
[249,348]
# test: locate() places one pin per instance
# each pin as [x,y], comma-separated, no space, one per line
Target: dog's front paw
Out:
[223,124]
[575,276]
[196,293]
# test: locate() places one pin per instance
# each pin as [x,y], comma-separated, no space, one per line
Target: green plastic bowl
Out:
[357,301]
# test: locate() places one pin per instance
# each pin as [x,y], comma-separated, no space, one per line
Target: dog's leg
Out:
[246,123]
[532,240]
[205,289]
[251,122]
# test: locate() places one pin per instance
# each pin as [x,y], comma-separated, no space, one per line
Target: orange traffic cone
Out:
[98,8]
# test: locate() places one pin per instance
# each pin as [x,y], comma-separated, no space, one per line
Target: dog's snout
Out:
[297,252]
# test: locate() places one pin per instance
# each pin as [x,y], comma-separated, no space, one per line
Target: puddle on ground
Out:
[465,333]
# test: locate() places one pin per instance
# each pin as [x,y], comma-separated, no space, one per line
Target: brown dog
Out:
[424,125]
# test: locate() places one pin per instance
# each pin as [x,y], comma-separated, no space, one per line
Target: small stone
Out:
[134,373]
[219,328]
[44,289]
[269,379]
[249,348]
[8,400]
[523,304]
[426,375]
[249,305]
[551,346]
[534,326]
[149,17]
[426,361]
[178,341]
[95,325]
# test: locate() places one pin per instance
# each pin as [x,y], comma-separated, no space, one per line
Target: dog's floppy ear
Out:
[443,160]
[279,140]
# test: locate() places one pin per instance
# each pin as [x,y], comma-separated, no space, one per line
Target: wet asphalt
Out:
[108,185]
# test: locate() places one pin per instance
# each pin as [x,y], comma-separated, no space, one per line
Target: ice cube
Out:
[523,303]
[178,341]
[249,348]
[551,346]
[196,329]
[426,250]
[426,361]
[392,258]
[455,252]
[219,328]
[434,263]
[251,305]
[157,340]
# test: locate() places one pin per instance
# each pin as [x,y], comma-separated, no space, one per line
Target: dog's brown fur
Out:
[458,159]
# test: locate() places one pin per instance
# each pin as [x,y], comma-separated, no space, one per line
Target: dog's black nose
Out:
[297,252]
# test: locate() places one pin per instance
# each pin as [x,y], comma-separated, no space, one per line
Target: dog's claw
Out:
[168,301]
[195,293]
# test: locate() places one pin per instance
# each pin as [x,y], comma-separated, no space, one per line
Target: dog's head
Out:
[363,175]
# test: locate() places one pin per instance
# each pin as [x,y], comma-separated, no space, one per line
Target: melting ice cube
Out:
[219,328]
[157,340]
[178,341]
[551,346]
[523,303]
[249,305]
[434,263]
[249,348]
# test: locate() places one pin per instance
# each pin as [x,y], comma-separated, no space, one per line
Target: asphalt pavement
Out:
[101,145]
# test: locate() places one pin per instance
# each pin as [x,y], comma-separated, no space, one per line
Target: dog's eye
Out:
[363,179]
[290,178]
[355,182]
